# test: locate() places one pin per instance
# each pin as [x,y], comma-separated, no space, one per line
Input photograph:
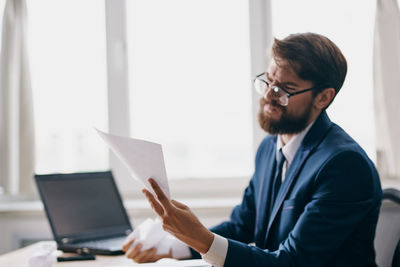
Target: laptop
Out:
[85,212]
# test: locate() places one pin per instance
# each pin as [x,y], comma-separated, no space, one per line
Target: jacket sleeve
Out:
[345,191]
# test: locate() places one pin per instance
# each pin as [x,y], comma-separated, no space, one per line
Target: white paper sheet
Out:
[181,263]
[144,159]
[166,263]
[149,233]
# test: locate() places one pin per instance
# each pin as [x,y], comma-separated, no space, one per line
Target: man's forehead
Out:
[281,69]
[282,64]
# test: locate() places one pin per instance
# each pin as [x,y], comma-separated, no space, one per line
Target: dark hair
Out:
[314,58]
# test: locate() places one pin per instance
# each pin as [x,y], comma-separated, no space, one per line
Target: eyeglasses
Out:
[262,87]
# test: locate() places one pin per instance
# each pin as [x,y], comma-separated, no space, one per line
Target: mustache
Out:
[273,103]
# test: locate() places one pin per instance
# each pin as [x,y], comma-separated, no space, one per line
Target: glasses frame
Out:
[277,88]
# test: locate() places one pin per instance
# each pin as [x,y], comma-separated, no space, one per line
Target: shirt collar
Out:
[289,150]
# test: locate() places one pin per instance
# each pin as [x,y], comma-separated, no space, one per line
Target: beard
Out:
[287,123]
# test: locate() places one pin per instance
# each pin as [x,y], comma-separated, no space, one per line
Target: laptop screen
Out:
[83,205]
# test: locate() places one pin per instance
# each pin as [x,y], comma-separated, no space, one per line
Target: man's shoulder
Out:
[340,150]
[341,163]
[337,141]
[267,142]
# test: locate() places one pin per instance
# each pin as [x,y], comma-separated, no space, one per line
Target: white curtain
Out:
[16,108]
[387,87]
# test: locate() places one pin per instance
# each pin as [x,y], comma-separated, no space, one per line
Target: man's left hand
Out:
[179,220]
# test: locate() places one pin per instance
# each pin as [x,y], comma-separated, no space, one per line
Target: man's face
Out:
[293,118]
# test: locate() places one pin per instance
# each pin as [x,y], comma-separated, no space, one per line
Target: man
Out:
[315,195]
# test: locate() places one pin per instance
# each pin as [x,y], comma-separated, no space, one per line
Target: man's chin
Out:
[280,126]
[267,122]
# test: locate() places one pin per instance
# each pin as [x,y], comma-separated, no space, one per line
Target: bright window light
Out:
[68,67]
[190,84]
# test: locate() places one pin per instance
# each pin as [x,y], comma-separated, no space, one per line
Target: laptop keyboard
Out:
[115,242]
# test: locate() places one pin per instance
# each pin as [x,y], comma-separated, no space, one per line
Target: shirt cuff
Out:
[217,252]
[179,249]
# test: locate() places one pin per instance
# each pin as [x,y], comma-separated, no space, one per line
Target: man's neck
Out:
[285,138]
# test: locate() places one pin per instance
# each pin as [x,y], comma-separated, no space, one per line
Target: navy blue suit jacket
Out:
[325,213]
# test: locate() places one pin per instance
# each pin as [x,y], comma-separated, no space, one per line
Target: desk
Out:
[19,258]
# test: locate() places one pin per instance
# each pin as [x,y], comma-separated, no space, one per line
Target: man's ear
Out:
[324,98]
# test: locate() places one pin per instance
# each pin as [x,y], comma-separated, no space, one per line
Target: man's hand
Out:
[135,253]
[179,220]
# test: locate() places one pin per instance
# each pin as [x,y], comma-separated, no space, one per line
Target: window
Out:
[350,24]
[68,68]
[190,84]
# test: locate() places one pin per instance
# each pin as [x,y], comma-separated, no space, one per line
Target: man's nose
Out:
[269,94]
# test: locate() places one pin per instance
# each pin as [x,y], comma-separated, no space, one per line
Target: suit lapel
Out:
[310,141]
[263,202]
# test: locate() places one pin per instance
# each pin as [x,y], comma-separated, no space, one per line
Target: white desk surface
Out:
[20,257]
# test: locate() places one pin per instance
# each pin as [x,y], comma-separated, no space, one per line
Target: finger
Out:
[160,194]
[133,252]
[179,204]
[154,203]
[127,244]
[146,255]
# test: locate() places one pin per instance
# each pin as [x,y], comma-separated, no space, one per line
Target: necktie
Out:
[278,177]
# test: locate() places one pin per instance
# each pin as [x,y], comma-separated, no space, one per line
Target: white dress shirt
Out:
[289,150]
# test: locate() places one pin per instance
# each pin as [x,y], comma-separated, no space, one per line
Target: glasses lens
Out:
[260,86]
[281,95]
[284,100]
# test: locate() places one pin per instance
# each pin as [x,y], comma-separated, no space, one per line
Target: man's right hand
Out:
[135,253]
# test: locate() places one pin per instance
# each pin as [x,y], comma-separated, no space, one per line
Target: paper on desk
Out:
[144,159]
[181,263]
[165,263]
[150,234]
[43,254]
